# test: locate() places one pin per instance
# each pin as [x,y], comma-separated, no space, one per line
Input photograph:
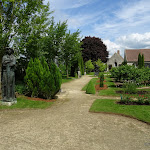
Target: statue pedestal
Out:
[8,103]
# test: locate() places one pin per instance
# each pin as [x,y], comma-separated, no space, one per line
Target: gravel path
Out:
[68,125]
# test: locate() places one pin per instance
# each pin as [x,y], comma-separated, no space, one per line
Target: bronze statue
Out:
[8,76]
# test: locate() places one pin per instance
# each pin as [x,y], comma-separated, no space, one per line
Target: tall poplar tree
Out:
[142,60]
[139,61]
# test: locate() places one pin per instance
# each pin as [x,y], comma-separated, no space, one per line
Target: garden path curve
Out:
[68,125]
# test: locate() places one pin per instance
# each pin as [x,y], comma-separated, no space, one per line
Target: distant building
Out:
[115,61]
[131,56]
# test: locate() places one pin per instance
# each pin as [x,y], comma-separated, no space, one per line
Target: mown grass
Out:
[91,73]
[140,112]
[93,80]
[111,90]
[22,102]
[90,88]
[65,79]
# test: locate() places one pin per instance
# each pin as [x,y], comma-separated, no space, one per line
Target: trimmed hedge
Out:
[90,88]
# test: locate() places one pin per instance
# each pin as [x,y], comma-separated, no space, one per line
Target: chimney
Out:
[118,52]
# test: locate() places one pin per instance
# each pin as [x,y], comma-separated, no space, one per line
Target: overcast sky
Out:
[121,24]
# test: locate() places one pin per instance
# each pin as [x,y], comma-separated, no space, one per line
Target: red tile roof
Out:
[132,54]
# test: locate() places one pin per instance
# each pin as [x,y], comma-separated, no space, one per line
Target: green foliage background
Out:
[126,72]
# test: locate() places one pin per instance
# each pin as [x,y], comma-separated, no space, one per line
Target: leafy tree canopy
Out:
[101,65]
[94,48]
[89,66]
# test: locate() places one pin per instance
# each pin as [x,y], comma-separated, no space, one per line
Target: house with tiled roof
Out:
[131,56]
[115,60]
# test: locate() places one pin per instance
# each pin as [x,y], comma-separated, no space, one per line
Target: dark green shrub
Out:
[147,101]
[101,76]
[56,77]
[130,87]
[42,81]
[90,88]
[20,88]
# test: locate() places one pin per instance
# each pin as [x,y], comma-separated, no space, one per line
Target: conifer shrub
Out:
[90,88]
[42,80]
[101,76]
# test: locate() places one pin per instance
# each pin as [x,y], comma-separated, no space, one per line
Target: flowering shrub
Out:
[125,99]
[130,100]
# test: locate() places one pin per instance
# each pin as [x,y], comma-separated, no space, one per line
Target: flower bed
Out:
[130,100]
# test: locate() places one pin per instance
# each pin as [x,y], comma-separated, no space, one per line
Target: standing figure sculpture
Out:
[8,76]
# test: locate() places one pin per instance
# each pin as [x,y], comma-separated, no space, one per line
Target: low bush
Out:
[130,87]
[20,88]
[90,88]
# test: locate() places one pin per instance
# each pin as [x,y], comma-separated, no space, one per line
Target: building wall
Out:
[147,64]
[114,61]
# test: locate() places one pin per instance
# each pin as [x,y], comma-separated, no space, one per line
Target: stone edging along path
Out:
[68,125]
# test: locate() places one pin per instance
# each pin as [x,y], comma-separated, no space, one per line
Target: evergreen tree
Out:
[101,76]
[139,61]
[142,60]
[42,81]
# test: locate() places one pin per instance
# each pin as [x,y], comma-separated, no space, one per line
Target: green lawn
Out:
[65,79]
[93,80]
[111,91]
[91,73]
[22,102]
[140,112]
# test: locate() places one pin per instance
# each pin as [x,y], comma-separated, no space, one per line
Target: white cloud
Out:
[132,41]
[132,17]
[113,47]
[134,9]
[75,21]
[135,40]
[80,20]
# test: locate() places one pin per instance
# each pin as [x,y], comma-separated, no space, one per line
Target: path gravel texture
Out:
[68,125]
